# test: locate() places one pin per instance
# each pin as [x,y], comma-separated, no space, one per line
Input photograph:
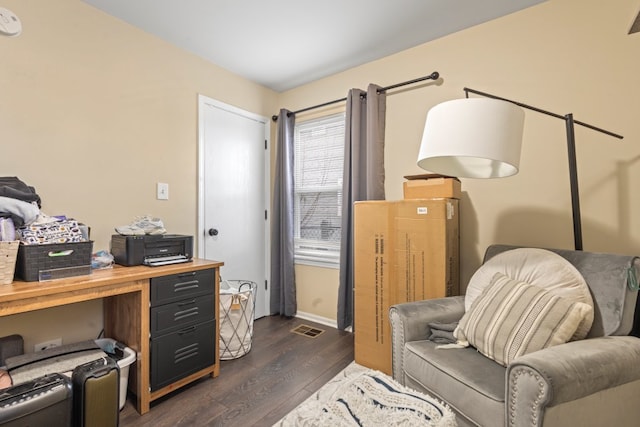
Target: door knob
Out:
[213,232]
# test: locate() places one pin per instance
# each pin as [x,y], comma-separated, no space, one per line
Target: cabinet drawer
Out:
[179,286]
[181,353]
[179,314]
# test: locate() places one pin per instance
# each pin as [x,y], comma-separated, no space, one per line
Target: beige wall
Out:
[566,56]
[94,113]
[317,291]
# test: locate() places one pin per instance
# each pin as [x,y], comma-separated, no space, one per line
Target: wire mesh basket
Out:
[8,256]
[237,309]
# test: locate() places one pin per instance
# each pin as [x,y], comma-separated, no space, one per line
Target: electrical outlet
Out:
[57,342]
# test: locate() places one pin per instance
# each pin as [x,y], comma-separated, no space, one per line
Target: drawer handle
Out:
[185,313]
[187,330]
[60,253]
[190,274]
[182,304]
[185,286]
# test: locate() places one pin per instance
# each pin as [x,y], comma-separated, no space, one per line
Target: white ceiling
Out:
[282,44]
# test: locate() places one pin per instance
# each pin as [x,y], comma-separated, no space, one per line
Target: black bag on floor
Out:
[96,391]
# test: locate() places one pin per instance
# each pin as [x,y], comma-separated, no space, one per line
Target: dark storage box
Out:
[53,261]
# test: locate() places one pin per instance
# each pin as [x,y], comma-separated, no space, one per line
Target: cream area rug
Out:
[359,396]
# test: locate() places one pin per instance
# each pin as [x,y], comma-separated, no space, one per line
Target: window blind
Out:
[318,165]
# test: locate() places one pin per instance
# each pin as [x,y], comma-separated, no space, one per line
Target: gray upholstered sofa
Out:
[589,382]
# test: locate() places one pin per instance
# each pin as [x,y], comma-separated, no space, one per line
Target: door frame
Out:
[202,100]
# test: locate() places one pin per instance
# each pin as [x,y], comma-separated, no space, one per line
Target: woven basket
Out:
[8,255]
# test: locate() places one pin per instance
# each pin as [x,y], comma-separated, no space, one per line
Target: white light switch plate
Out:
[162,191]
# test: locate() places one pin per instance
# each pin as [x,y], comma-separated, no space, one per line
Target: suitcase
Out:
[96,388]
[44,401]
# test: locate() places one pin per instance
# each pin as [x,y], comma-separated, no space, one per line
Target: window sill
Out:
[322,264]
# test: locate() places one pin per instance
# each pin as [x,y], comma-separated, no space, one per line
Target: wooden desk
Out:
[126,312]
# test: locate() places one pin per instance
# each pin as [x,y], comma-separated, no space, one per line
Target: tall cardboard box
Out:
[406,250]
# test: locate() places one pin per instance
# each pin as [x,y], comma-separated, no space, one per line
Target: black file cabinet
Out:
[183,325]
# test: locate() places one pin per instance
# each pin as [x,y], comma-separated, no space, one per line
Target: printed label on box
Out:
[379,284]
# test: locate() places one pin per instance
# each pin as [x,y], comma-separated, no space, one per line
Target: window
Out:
[318,164]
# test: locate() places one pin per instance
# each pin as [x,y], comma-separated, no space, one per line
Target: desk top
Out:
[19,290]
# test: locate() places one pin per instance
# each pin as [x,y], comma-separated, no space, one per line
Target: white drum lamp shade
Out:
[472,138]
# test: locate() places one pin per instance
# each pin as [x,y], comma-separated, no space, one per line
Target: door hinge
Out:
[265,284]
[265,144]
[265,214]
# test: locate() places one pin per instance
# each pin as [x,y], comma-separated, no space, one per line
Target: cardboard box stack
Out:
[405,250]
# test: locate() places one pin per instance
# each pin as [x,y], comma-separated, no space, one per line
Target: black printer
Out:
[151,250]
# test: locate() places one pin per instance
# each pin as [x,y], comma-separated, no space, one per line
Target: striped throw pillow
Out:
[511,318]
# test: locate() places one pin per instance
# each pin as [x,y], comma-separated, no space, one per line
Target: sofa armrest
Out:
[568,372]
[409,323]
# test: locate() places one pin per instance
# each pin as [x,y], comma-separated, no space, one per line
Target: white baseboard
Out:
[318,319]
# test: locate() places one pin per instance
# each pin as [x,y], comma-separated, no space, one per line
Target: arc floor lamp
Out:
[482,138]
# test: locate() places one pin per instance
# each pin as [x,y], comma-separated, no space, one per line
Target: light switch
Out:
[163,191]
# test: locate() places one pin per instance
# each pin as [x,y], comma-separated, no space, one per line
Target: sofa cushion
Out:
[471,384]
[614,305]
[511,318]
[539,267]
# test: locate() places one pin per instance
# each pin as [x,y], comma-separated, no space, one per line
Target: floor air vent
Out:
[307,331]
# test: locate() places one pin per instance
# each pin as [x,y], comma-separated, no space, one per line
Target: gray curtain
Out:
[363,179]
[283,284]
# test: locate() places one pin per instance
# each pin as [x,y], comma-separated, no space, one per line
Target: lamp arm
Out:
[571,148]
[539,110]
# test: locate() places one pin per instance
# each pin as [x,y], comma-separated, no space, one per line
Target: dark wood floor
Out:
[281,370]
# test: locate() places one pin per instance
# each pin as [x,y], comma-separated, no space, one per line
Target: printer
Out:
[151,250]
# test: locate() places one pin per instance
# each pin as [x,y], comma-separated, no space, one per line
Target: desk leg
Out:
[126,319]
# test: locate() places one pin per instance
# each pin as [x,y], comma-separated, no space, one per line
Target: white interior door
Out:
[234,194]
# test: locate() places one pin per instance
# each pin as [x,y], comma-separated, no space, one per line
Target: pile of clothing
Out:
[21,218]
[19,205]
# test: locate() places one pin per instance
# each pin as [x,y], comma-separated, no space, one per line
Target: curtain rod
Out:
[549,113]
[433,76]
